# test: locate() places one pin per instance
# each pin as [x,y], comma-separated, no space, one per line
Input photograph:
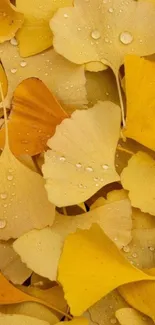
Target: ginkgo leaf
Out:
[104,31]
[103,312]
[31,309]
[141,167]
[10,20]
[99,258]
[141,295]
[75,321]
[11,265]
[35,35]
[41,250]
[128,316]
[52,298]
[80,162]
[34,116]
[20,320]
[66,80]
[3,81]
[101,86]
[140,82]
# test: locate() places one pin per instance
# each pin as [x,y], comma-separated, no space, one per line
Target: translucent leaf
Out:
[128,316]
[141,167]
[80,162]
[10,20]
[99,258]
[35,35]
[41,250]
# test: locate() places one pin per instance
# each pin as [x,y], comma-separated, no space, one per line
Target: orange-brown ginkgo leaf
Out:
[140,84]
[64,79]
[10,20]
[139,179]
[91,266]
[52,298]
[34,116]
[103,31]
[41,250]
[80,162]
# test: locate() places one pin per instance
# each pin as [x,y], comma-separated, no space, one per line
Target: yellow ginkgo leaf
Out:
[141,167]
[41,250]
[20,320]
[31,309]
[96,267]
[3,81]
[128,316]
[80,162]
[11,265]
[141,295]
[104,31]
[101,86]
[140,82]
[103,312]
[64,79]
[35,35]
[10,20]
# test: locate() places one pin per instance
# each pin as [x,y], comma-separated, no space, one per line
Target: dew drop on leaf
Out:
[2,223]
[95,34]
[126,38]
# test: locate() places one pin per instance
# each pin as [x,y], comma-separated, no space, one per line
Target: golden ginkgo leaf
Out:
[3,80]
[80,162]
[41,250]
[141,167]
[64,79]
[35,35]
[11,265]
[21,320]
[128,316]
[140,83]
[103,31]
[10,20]
[96,267]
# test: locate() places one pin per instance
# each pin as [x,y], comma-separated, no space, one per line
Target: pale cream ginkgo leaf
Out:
[41,250]
[82,159]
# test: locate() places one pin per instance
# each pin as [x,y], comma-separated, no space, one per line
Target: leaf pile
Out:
[77,162]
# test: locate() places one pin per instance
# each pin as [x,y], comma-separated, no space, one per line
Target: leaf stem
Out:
[121,100]
[125,150]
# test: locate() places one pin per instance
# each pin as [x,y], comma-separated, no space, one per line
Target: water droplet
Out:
[95,34]
[78,165]
[105,166]
[81,185]
[79,28]
[110,10]
[23,64]
[13,41]
[89,169]
[113,320]
[126,38]
[10,170]
[13,70]
[62,158]
[134,255]
[151,248]
[3,196]
[97,185]
[106,40]
[96,179]
[126,249]
[5,205]
[2,223]
[10,177]
[66,16]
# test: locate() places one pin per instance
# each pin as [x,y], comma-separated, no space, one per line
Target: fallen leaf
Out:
[141,295]
[20,320]
[80,162]
[3,81]
[99,257]
[31,309]
[140,82]
[64,79]
[104,31]
[10,20]
[101,86]
[11,265]
[141,167]
[35,35]
[52,298]
[41,282]
[41,250]
[34,116]
[75,321]
[128,316]
[95,66]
